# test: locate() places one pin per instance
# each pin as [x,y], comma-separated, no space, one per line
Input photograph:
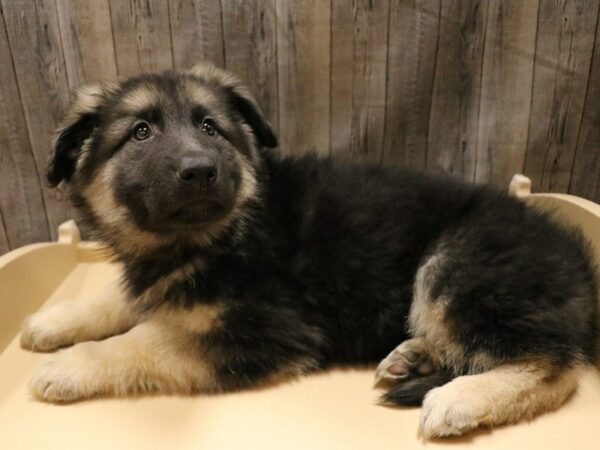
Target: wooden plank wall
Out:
[477,88]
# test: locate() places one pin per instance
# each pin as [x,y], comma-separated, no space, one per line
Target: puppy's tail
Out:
[412,392]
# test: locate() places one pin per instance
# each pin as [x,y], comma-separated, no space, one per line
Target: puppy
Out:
[241,267]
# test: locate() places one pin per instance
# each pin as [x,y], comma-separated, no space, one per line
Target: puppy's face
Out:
[162,155]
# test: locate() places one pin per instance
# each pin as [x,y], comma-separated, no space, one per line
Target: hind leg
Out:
[503,395]
[409,360]
[510,352]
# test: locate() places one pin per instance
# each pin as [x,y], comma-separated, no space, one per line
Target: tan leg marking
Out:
[427,321]
[158,355]
[506,394]
[70,322]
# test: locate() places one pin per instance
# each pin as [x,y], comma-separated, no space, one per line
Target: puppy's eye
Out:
[209,126]
[141,131]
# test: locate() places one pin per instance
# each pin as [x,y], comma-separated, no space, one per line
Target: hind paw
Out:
[409,360]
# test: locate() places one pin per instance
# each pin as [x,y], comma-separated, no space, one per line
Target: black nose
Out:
[200,170]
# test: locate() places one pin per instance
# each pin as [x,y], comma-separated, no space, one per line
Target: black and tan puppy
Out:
[241,267]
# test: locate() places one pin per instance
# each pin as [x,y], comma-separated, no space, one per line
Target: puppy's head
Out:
[160,157]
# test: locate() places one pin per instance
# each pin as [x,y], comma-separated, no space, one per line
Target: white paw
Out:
[449,412]
[50,328]
[67,376]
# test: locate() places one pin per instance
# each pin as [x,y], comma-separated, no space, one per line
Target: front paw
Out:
[49,329]
[67,376]
[450,410]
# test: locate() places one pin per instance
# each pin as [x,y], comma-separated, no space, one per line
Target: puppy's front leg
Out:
[161,355]
[70,322]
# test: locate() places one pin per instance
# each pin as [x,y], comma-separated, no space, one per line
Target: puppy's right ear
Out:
[240,100]
[78,125]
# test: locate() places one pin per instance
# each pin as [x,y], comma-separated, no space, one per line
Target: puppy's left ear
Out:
[240,100]
[77,126]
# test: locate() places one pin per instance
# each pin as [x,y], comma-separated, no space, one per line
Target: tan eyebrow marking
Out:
[199,95]
[141,98]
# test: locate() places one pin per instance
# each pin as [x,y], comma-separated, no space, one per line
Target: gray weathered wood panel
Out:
[88,46]
[454,115]
[304,74]
[21,199]
[410,71]
[359,37]
[42,84]
[250,34]
[142,36]
[585,177]
[196,32]
[565,40]
[476,88]
[506,89]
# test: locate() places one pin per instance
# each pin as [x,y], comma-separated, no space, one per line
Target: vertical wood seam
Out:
[4,232]
[62,45]
[276,36]
[535,57]
[352,104]
[170,34]
[434,79]
[223,39]
[330,152]
[585,100]
[485,32]
[387,81]
[112,36]
[437,50]
[26,122]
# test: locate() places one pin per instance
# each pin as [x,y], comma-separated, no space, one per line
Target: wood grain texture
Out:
[196,32]
[455,105]
[585,178]
[410,71]
[250,33]
[506,90]
[43,87]
[142,36]
[88,47]
[304,68]
[565,39]
[21,199]
[4,246]
[358,85]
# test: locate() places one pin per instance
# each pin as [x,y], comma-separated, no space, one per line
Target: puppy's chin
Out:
[193,216]
[198,212]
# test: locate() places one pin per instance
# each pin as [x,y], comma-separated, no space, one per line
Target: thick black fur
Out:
[412,391]
[318,270]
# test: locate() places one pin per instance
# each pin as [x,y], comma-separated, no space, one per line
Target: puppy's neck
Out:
[177,273]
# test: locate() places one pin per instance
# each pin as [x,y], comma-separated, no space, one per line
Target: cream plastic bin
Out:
[334,410]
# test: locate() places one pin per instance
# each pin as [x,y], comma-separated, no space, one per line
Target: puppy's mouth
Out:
[197,212]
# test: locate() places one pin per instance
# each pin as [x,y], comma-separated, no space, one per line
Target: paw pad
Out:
[406,361]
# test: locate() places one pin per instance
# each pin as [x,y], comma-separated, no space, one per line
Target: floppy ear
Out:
[244,104]
[77,126]
[240,100]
